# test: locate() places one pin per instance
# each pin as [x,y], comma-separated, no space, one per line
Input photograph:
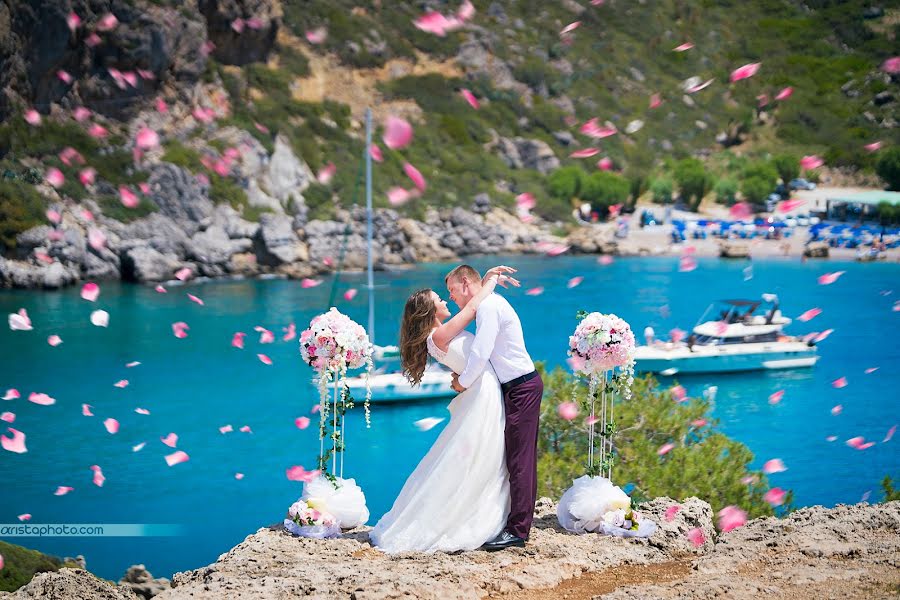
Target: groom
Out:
[500,342]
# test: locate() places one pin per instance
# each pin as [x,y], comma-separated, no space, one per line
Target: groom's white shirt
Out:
[498,339]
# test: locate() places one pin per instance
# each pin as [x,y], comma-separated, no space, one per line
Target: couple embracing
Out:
[476,487]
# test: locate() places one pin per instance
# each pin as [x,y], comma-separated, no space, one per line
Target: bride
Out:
[457,498]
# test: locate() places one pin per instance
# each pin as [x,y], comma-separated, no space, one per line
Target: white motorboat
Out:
[738,341]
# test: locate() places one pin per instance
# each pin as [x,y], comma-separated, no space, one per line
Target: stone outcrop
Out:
[142,583]
[70,584]
[523,153]
[243,30]
[593,239]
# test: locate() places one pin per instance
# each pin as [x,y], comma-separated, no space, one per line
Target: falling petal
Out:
[238,476]
[142,411]
[748,70]
[306,282]
[840,382]
[829,278]
[301,422]
[171,440]
[350,294]
[890,434]
[97,131]
[122,383]
[375,153]
[665,449]
[32,117]
[683,47]
[86,410]
[427,423]
[316,36]
[785,93]
[225,429]
[397,133]
[184,274]
[64,76]
[774,465]
[42,399]
[138,447]
[146,139]
[574,282]
[54,177]
[266,336]
[298,473]
[160,289]
[776,397]
[237,340]
[100,318]
[699,422]
[730,518]
[740,210]
[891,65]
[73,21]
[90,291]
[111,425]
[23,517]
[416,176]
[570,28]
[536,291]
[398,196]
[605,164]
[655,101]
[264,359]
[810,314]
[87,176]
[62,490]
[98,476]
[871,370]
[585,153]
[290,332]
[699,86]
[11,394]
[568,410]
[16,443]
[873,147]
[325,175]
[194,298]
[107,22]
[7,416]
[470,98]
[775,496]
[179,456]
[238,25]
[811,162]
[466,11]
[54,340]
[128,198]
[179,329]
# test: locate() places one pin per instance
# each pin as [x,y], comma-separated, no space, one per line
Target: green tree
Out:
[692,179]
[726,191]
[888,167]
[763,170]
[755,189]
[604,189]
[661,190]
[566,183]
[787,165]
[890,494]
[704,462]
[887,212]
[21,208]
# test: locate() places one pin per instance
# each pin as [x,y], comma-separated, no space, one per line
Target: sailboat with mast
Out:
[387,382]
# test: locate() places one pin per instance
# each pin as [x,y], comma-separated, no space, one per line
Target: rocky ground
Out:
[844,552]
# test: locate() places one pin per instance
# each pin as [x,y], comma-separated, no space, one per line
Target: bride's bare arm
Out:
[451,328]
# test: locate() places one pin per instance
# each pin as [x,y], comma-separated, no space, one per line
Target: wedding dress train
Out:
[457,498]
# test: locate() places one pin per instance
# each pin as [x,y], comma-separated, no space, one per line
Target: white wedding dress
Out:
[457,498]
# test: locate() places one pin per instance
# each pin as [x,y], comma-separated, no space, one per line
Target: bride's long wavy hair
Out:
[416,325]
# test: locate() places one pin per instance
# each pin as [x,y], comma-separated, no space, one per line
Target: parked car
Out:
[801,184]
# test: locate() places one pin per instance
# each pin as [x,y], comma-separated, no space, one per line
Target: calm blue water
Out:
[193,386]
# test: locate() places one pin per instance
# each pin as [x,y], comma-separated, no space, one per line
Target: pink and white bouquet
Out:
[595,505]
[603,343]
[335,342]
[306,521]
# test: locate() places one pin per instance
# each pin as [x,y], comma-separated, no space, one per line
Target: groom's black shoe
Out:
[502,541]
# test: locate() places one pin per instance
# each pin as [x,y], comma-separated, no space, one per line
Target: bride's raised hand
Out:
[500,270]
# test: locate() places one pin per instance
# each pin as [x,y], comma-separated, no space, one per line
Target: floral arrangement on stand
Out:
[602,349]
[332,345]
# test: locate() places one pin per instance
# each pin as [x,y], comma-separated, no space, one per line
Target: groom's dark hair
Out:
[463,271]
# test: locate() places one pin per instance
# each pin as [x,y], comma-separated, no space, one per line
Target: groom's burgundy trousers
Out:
[523,411]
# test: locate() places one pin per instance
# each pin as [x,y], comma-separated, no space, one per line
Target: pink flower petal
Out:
[414,174]
[811,162]
[774,465]
[585,153]
[398,133]
[823,335]
[100,318]
[785,93]
[54,177]
[14,444]
[829,278]
[730,518]
[122,383]
[398,196]
[325,175]
[179,329]
[225,429]
[54,340]
[98,476]
[306,282]
[62,490]
[264,359]
[298,473]
[87,176]
[748,70]
[470,98]
[128,198]
[171,440]
[776,397]
[775,496]
[891,65]
[73,21]
[301,422]
[142,411]
[237,340]
[873,147]
[32,117]
[194,298]
[740,210]
[238,25]
[890,434]
[570,28]
[86,410]
[90,291]
[97,131]
[183,274]
[375,152]
[160,289]
[245,429]
[41,398]
[350,294]
[111,425]
[574,282]
[840,382]
[265,336]
[7,416]
[831,438]
[683,47]
[23,517]
[179,456]
[146,139]
[466,11]
[699,422]
[92,40]
[568,410]
[672,511]
[655,101]
[837,409]
[11,394]
[700,86]
[605,164]
[810,314]
[64,76]
[138,447]
[871,370]
[290,332]
[316,36]
[665,449]
[107,22]
[20,321]
[238,476]
[696,537]
[535,291]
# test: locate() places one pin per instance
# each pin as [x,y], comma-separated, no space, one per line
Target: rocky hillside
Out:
[844,552]
[142,136]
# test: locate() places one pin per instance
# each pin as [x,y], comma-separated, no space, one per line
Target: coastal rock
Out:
[234,225]
[423,246]
[55,276]
[276,242]
[286,175]
[145,264]
[69,584]
[214,247]
[523,153]
[243,30]
[593,239]
[142,583]
[816,250]
[179,196]
[731,249]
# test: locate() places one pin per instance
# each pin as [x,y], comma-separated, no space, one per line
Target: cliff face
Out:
[844,552]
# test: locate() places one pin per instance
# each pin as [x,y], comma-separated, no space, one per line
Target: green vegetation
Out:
[20,565]
[726,190]
[21,208]
[890,494]
[888,167]
[787,166]
[704,462]
[661,190]
[693,181]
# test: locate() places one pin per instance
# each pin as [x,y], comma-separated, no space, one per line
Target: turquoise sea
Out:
[195,385]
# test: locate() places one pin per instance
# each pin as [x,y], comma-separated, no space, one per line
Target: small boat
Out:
[387,381]
[738,341]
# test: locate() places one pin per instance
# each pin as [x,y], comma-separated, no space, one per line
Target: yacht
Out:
[739,340]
